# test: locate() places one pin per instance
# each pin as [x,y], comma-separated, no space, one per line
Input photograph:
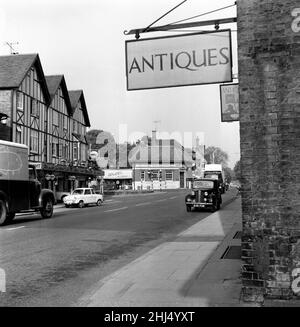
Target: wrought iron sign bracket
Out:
[213,22]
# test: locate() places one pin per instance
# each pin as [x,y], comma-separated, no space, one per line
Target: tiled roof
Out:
[75,97]
[13,69]
[53,83]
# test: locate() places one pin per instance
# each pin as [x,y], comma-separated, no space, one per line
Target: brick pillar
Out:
[269,78]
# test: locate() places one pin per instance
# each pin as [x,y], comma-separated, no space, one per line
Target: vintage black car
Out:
[206,194]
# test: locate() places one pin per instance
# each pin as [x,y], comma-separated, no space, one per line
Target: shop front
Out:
[117,179]
[62,179]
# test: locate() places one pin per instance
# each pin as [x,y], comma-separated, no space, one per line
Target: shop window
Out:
[169,175]
[155,175]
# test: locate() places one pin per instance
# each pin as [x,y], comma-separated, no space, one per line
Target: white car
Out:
[81,197]
[60,195]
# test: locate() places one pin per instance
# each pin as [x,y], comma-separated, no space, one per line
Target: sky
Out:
[85,41]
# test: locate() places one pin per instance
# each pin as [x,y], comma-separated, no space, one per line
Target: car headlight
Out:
[205,193]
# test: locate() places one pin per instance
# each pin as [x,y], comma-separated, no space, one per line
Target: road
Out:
[54,262]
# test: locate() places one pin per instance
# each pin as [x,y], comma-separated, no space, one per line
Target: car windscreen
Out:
[77,192]
[212,176]
[203,184]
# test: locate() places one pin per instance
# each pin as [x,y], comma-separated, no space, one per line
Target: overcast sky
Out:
[84,40]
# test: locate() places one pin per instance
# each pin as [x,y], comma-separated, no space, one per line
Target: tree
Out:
[91,137]
[216,155]
[115,156]
[237,170]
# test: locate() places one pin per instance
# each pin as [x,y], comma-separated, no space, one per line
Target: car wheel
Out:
[81,204]
[99,203]
[188,208]
[47,209]
[3,213]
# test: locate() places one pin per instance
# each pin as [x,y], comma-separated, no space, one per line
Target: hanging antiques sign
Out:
[189,59]
[229,94]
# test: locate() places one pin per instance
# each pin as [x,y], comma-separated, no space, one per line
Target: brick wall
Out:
[269,78]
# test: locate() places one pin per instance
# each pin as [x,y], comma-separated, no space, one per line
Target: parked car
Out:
[81,197]
[206,193]
[60,196]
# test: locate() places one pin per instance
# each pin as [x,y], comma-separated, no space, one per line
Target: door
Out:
[181,179]
[94,196]
[88,197]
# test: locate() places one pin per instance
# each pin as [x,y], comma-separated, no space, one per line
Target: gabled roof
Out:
[75,97]
[14,68]
[53,83]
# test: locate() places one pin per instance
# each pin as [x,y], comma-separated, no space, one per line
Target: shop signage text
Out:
[199,58]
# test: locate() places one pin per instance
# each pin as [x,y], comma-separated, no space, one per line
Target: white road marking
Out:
[118,209]
[142,204]
[112,202]
[14,228]
[154,193]
[173,197]
[161,200]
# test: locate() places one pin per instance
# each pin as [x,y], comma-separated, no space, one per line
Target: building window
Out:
[55,118]
[34,111]
[75,151]
[65,122]
[65,152]
[142,175]
[55,147]
[169,175]
[74,126]
[20,101]
[19,134]
[83,152]
[155,175]
[34,141]
[60,150]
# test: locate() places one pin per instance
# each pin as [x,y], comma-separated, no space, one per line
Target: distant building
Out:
[117,179]
[162,164]
[48,118]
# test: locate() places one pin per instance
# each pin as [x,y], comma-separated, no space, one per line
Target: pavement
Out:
[187,271]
